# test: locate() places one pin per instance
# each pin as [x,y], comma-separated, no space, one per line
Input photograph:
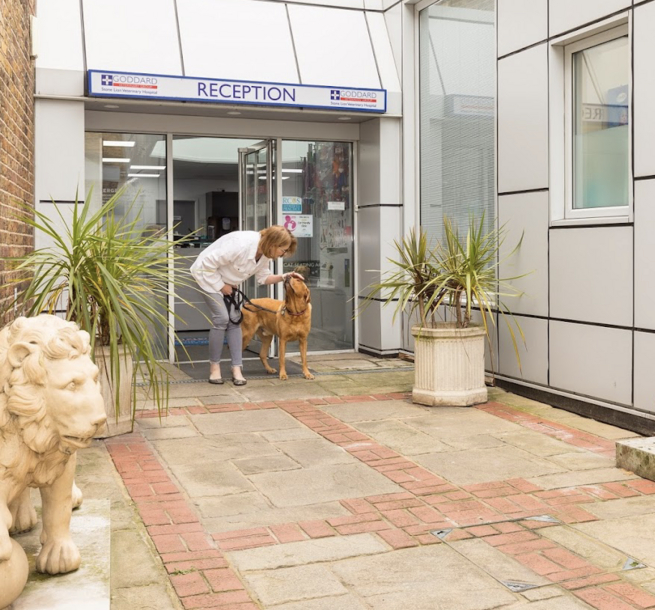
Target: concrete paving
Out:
[341,494]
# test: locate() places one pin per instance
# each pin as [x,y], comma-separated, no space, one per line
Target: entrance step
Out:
[84,589]
[637,455]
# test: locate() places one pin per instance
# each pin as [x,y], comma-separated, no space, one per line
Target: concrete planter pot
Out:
[449,365]
[124,423]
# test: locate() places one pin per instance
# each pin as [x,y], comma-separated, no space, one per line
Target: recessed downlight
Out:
[344,118]
[112,106]
[234,112]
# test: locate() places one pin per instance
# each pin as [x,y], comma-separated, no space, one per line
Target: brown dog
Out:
[291,321]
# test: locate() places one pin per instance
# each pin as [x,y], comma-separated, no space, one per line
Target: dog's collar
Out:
[284,310]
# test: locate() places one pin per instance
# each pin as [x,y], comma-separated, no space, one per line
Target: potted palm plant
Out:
[112,278]
[446,286]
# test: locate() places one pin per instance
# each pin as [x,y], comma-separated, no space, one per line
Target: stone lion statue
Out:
[50,406]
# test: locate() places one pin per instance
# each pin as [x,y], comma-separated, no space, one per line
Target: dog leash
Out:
[238,300]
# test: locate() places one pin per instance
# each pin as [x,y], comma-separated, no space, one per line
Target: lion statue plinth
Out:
[50,406]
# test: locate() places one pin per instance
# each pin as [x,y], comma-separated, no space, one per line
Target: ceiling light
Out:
[292,171]
[112,106]
[118,143]
[234,112]
[143,175]
[159,167]
[115,160]
[344,118]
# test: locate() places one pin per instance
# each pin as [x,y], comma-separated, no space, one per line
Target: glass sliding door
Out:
[205,204]
[317,206]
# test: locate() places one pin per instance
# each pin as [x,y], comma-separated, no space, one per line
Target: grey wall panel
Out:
[369,163]
[59,149]
[644,90]
[521,23]
[591,275]
[566,14]
[377,227]
[526,214]
[644,378]
[644,254]
[591,360]
[523,121]
[533,352]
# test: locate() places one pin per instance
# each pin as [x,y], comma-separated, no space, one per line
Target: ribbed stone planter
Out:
[449,365]
[123,424]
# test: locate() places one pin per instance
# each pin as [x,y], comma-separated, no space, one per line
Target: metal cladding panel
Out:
[521,23]
[525,216]
[523,121]
[254,41]
[344,55]
[59,35]
[566,15]
[533,353]
[132,36]
[644,378]
[593,361]
[591,275]
[644,90]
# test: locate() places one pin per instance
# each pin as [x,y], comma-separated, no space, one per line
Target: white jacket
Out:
[230,260]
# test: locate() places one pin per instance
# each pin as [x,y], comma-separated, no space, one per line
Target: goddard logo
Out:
[127,80]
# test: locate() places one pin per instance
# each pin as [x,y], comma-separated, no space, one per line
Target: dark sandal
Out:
[239,381]
[218,381]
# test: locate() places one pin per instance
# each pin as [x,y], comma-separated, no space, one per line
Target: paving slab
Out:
[269,463]
[315,452]
[453,422]
[244,421]
[209,478]
[583,477]
[219,514]
[322,484]
[307,551]
[343,602]
[422,579]
[538,444]
[399,436]
[284,585]
[374,411]
[214,449]
[631,535]
[485,465]
[623,507]
[579,460]
[560,603]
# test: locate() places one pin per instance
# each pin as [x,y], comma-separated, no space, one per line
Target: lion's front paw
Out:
[24,517]
[58,556]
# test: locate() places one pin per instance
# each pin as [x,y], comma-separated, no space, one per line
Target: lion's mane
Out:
[23,413]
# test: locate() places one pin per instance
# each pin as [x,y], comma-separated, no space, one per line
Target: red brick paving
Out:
[495,512]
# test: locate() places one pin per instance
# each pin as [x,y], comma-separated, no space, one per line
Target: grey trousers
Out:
[222,327]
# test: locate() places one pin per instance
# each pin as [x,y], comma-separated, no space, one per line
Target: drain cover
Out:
[441,533]
[632,564]
[517,586]
[546,518]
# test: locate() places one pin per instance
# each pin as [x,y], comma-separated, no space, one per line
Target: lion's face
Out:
[74,402]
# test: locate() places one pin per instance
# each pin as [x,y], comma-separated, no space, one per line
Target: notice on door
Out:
[301,225]
[292,204]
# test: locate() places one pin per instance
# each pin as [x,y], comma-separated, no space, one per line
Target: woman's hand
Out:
[292,274]
[227,289]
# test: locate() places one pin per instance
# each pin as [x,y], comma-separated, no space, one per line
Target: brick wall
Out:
[16,134]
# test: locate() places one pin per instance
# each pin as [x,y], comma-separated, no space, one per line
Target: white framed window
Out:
[597,111]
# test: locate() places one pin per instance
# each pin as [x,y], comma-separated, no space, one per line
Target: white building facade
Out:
[353,121]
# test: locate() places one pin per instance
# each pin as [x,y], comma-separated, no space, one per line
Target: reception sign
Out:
[105,83]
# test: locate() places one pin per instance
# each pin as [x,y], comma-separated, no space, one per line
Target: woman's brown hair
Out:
[276,236]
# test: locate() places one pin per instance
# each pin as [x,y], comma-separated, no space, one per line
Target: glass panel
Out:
[600,133]
[132,36]
[138,163]
[226,56]
[348,39]
[206,201]
[457,109]
[317,207]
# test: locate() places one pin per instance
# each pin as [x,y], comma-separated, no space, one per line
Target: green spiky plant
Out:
[114,277]
[458,273]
